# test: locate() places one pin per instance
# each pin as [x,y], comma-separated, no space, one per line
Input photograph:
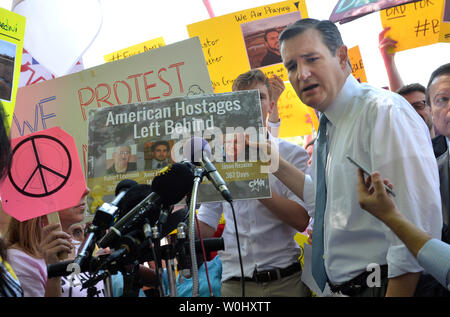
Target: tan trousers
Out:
[289,286]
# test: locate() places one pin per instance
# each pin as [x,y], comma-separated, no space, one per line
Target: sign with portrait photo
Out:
[134,141]
[250,41]
[173,70]
[12,33]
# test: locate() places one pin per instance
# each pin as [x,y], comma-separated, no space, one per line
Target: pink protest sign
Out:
[45,175]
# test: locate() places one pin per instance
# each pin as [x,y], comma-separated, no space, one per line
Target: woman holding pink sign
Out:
[34,244]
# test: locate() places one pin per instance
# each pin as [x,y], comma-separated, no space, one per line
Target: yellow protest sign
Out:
[358,71]
[414,24]
[297,119]
[444,34]
[135,49]
[12,32]
[240,41]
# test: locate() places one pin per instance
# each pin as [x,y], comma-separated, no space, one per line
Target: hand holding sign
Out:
[45,175]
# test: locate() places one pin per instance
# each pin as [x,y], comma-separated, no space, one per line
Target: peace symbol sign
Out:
[49,170]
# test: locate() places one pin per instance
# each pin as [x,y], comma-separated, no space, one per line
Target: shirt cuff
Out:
[401,261]
[434,256]
[309,195]
[274,124]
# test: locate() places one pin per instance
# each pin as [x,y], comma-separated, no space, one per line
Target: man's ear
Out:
[342,53]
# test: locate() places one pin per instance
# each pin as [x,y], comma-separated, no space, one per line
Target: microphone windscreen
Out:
[124,185]
[173,182]
[132,198]
[195,148]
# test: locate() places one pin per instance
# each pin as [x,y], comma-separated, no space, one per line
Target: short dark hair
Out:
[269,31]
[250,78]
[440,71]
[407,89]
[331,36]
[158,143]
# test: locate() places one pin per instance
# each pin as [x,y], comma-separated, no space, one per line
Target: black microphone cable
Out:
[239,249]
[204,255]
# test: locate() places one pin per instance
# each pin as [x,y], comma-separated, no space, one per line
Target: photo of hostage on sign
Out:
[261,39]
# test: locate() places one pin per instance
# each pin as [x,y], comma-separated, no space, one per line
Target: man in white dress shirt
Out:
[266,227]
[382,132]
[438,94]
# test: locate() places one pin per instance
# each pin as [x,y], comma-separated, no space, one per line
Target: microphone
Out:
[107,212]
[199,152]
[168,187]
[104,217]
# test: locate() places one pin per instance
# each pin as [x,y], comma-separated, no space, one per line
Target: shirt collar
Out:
[343,100]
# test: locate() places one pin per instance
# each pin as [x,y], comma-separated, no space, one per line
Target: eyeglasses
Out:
[419,105]
[124,153]
[441,100]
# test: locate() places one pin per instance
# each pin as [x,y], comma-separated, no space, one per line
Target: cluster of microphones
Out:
[140,214]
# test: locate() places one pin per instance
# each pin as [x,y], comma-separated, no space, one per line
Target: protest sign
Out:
[250,41]
[413,25]
[247,45]
[355,58]
[444,34]
[12,32]
[174,70]
[124,141]
[135,49]
[292,111]
[45,175]
[349,10]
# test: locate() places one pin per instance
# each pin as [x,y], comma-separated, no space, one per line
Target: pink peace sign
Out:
[45,175]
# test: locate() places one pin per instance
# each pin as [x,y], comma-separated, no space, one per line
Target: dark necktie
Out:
[318,266]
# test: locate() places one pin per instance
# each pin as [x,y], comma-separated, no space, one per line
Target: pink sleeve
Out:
[31,272]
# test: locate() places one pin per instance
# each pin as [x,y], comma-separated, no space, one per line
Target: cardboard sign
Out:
[45,175]
[444,34]
[297,119]
[135,49]
[178,69]
[349,10]
[126,141]
[415,24]
[250,41]
[12,32]
[357,64]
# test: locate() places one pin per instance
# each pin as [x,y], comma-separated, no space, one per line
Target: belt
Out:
[271,275]
[358,284]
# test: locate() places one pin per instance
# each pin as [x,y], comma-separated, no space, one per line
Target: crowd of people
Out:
[400,135]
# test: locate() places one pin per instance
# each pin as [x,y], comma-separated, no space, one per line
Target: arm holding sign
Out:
[387,46]
[54,242]
[274,121]
[31,246]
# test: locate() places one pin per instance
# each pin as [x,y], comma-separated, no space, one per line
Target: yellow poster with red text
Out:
[354,55]
[135,49]
[237,42]
[297,119]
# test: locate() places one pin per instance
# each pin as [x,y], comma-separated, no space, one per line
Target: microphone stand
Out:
[198,175]
[108,285]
